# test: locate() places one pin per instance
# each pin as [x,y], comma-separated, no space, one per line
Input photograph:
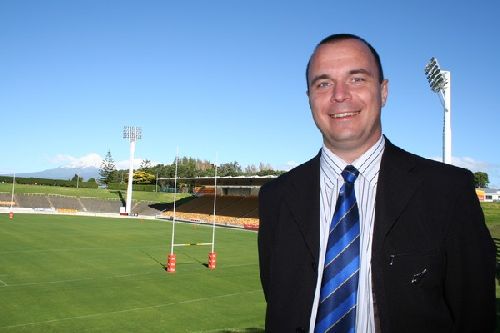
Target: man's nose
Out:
[340,92]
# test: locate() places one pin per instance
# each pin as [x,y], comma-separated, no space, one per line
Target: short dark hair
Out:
[338,37]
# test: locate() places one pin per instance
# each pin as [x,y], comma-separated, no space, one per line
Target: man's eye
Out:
[324,84]
[358,79]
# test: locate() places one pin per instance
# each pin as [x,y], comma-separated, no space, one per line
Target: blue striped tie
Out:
[339,286]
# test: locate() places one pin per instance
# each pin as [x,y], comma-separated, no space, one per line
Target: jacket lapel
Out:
[302,199]
[396,185]
[397,182]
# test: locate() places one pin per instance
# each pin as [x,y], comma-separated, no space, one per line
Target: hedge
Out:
[48,182]
[135,187]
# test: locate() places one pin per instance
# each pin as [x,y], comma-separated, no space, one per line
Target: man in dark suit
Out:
[426,258]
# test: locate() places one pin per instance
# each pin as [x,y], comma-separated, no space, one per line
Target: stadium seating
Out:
[101,205]
[5,200]
[60,202]
[148,208]
[32,201]
[229,210]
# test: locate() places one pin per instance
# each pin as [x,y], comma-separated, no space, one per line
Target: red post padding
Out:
[211,260]
[171,263]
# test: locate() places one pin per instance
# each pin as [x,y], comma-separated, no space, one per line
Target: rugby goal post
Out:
[171,258]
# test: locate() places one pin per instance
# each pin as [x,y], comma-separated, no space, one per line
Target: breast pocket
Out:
[415,269]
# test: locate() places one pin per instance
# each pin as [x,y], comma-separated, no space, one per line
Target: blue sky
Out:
[226,78]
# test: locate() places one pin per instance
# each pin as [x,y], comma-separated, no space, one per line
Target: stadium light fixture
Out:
[440,83]
[132,133]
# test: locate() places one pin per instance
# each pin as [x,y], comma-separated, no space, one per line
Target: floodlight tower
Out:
[440,83]
[132,133]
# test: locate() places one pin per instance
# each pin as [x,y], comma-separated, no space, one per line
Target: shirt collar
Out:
[368,164]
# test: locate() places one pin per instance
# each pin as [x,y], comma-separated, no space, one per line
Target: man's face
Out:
[346,97]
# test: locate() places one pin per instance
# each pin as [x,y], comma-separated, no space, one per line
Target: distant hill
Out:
[62,173]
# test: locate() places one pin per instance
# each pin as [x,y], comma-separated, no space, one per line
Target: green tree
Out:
[143,177]
[186,167]
[107,172]
[269,172]
[145,165]
[251,170]
[481,179]
[77,178]
[229,169]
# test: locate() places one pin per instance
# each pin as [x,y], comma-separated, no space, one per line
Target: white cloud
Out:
[286,166]
[471,164]
[291,164]
[120,165]
[68,161]
[467,162]
[91,160]
[493,170]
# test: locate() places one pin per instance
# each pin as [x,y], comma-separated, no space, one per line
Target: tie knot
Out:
[350,174]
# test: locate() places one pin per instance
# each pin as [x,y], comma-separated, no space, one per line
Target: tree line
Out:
[187,167]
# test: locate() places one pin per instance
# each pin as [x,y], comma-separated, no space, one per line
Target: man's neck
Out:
[349,155]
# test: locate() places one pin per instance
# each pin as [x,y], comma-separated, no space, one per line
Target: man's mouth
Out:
[344,114]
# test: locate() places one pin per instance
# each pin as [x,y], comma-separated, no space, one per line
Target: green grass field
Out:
[491,212]
[492,215]
[80,274]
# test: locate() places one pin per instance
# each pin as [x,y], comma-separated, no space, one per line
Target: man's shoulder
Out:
[299,173]
[428,168]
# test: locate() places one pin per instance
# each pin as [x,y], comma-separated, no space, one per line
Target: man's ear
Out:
[384,91]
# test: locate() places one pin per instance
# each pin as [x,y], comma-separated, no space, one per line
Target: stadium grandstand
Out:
[236,202]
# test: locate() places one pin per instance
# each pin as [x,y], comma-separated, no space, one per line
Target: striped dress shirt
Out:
[365,187]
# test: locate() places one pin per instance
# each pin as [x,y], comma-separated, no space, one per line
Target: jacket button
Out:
[300,330]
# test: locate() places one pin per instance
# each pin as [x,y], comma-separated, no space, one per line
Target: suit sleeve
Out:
[266,221]
[470,265]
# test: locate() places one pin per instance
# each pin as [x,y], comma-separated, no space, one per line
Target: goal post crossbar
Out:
[192,244]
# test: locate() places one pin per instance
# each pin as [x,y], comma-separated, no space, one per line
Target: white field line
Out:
[131,309]
[79,249]
[4,285]
[72,280]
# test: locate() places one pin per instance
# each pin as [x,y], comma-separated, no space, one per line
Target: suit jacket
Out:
[433,260]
